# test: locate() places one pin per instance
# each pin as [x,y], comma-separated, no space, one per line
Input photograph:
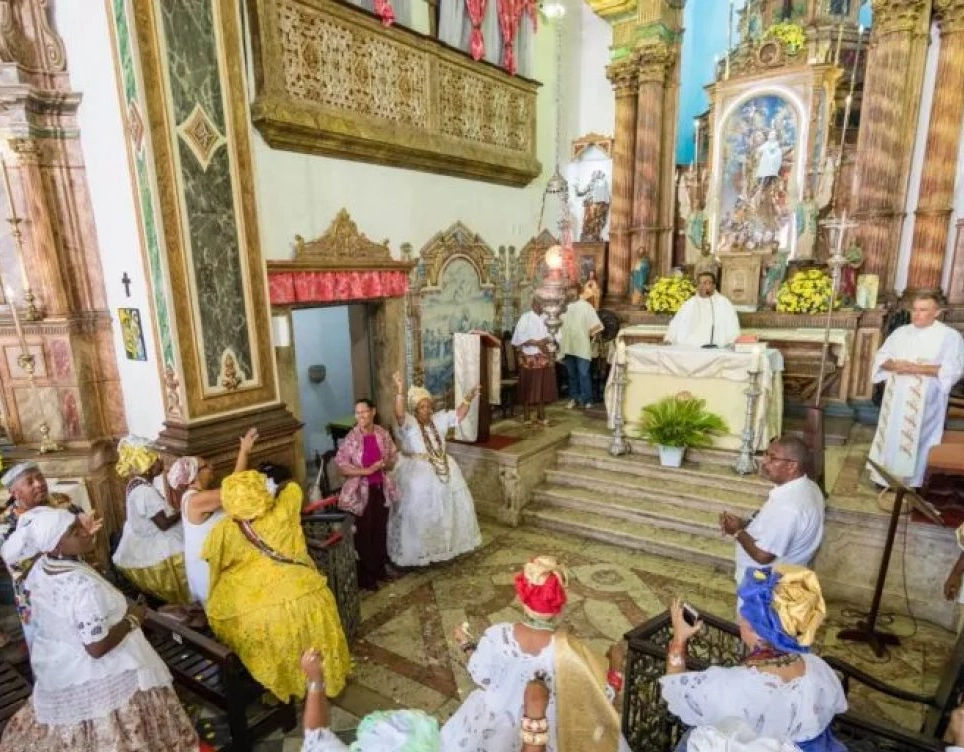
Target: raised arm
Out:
[399,399]
[244,452]
[463,409]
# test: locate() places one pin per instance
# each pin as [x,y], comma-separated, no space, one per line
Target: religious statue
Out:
[776,271]
[640,278]
[595,202]
[591,290]
[828,173]
[848,275]
[693,219]
[707,264]
[806,213]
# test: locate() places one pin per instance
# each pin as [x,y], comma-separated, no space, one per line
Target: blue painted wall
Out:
[705,23]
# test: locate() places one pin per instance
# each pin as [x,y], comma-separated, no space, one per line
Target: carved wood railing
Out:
[330,79]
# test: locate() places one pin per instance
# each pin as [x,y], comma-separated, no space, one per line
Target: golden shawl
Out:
[585,719]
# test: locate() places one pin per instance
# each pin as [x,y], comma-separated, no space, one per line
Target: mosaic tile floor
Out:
[406,657]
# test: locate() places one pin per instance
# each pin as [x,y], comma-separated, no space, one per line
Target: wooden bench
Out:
[649,727]
[215,674]
[14,692]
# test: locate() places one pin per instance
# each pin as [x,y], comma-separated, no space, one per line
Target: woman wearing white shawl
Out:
[98,685]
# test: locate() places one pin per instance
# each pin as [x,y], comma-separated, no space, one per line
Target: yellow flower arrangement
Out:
[807,291]
[668,293]
[791,34]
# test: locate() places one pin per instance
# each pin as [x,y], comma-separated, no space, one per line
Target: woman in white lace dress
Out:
[98,684]
[434,518]
[781,697]
[580,714]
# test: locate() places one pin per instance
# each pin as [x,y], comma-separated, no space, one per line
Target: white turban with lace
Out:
[182,472]
[39,530]
[416,394]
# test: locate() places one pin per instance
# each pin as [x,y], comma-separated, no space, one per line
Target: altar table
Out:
[718,376]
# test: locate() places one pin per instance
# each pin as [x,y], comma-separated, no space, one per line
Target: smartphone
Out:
[690,615]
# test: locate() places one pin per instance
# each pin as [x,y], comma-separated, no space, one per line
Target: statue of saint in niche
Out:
[596,198]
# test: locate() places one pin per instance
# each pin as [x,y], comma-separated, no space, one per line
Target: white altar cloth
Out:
[718,376]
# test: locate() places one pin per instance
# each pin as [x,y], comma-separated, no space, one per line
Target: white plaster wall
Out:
[84,27]
[597,102]
[300,194]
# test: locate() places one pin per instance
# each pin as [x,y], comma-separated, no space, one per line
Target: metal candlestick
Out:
[28,363]
[745,464]
[32,312]
[619,445]
[552,295]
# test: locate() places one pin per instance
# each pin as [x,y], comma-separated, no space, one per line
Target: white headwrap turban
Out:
[14,473]
[397,731]
[39,530]
[416,394]
[182,472]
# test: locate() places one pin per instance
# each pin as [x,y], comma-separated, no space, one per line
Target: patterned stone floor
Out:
[405,655]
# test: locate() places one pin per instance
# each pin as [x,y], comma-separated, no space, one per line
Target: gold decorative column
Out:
[891,102]
[935,206]
[651,62]
[623,77]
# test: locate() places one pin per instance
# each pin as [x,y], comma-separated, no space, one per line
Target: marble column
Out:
[891,102]
[651,64]
[955,287]
[936,204]
[622,74]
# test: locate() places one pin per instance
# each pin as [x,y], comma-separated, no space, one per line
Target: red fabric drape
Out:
[319,287]
[476,9]
[384,9]
[510,13]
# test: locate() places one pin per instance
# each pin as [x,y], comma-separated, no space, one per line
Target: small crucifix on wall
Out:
[126,281]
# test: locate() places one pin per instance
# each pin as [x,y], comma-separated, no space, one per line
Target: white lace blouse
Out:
[797,710]
[143,544]
[73,606]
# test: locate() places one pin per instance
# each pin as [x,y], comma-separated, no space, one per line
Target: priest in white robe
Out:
[920,362]
[707,318]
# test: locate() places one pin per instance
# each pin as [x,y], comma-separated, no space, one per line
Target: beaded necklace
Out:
[545,625]
[765,655]
[435,450]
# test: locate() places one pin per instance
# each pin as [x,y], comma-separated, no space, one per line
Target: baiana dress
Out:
[198,577]
[434,518]
[490,718]
[123,701]
[796,711]
[151,558]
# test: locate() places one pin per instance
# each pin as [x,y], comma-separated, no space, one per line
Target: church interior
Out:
[220,214]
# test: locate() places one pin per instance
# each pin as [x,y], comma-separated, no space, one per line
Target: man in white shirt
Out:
[580,324]
[920,362]
[706,319]
[788,529]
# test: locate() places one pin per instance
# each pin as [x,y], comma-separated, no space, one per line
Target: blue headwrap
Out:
[783,604]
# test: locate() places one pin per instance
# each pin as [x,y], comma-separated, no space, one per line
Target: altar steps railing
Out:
[633,502]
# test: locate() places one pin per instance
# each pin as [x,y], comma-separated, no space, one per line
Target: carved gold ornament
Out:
[201,136]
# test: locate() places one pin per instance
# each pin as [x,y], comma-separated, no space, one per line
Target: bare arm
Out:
[316,703]
[755,552]
[247,444]
[202,503]
[165,521]
[116,634]
[399,399]
[463,409]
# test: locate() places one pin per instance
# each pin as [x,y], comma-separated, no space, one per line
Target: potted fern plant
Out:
[676,422]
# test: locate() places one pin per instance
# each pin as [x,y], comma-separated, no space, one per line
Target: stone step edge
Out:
[558,497]
[569,476]
[578,437]
[736,482]
[628,540]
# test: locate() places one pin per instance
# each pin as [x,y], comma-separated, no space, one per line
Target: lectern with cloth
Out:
[478,361]
[720,376]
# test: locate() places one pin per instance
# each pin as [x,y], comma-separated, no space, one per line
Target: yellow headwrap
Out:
[416,394]
[135,455]
[799,603]
[245,495]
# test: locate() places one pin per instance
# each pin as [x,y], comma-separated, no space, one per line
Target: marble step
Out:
[678,495]
[635,535]
[639,448]
[696,477]
[661,514]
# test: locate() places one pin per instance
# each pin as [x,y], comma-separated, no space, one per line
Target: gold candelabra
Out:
[28,363]
[31,311]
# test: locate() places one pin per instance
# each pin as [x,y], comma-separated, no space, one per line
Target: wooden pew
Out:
[214,673]
[14,692]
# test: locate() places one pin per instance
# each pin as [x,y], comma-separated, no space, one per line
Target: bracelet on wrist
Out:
[315,686]
[539,739]
[535,725]
[468,647]
[676,660]
[132,622]
[615,680]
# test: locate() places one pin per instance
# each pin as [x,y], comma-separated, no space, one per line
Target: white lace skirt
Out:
[432,520]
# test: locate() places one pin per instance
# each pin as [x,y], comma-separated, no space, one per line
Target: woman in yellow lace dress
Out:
[267,599]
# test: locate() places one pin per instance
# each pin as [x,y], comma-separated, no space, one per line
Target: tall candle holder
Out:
[32,313]
[619,445]
[28,364]
[745,464]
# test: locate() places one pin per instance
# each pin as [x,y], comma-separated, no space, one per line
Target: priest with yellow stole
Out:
[705,320]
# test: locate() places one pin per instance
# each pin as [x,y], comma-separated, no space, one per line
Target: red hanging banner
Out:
[476,10]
